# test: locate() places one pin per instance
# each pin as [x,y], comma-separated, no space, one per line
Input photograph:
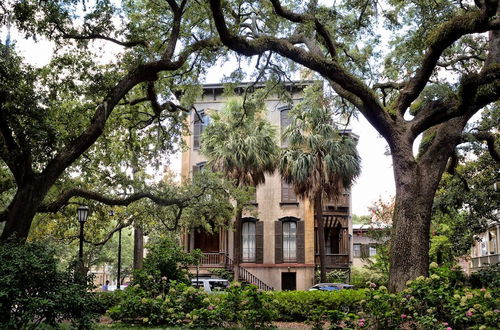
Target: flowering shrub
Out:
[304,305]
[184,305]
[171,308]
[35,293]
[434,302]
[441,301]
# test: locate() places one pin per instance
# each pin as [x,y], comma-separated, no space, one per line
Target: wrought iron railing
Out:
[246,276]
[213,259]
[252,279]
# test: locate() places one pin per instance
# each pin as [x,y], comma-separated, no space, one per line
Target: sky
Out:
[375,182]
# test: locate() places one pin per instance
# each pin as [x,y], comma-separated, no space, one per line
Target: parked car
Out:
[330,287]
[210,284]
[113,287]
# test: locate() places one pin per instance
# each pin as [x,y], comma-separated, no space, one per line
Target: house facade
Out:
[279,245]
[486,250]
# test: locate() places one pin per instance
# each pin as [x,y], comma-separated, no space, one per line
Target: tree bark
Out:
[237,243]
[411,227]
[318,214]
[416,183]
[138,247]
[20,212]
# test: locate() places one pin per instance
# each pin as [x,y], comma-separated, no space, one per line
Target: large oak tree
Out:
[75,127]
[438,67]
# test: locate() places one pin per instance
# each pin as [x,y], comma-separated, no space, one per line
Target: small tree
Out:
[319,160]
[166,261]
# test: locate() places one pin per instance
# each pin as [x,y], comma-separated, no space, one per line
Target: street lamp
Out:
[83,213]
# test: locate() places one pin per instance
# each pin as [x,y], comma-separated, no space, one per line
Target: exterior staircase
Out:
[221,259]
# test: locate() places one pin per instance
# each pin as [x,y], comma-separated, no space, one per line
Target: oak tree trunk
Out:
[138,247]
[318,214]
[22,209]
[417,180]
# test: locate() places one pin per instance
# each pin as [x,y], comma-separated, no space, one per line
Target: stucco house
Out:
[279,249]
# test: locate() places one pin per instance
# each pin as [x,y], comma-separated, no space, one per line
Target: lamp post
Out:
[119,270]
[83,213]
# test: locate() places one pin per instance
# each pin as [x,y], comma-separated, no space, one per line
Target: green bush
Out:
[33,291]
[362,277]
[106,300]
[334,276]
[166,261]
[297,305]
[222,273]
[486,278]
[185,305]
[435,302]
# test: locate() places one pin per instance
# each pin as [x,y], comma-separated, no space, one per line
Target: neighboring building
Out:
[279,249]
[364,245]
[486,251]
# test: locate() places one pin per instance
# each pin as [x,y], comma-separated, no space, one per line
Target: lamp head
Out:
[83,213]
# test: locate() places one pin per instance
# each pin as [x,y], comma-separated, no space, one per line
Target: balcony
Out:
[335,260]
[215,260]
[485,261]
[341,203]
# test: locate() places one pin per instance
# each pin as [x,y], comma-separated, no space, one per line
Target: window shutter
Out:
[300,242]
[284,191]
[364,251]
[278,242]
[287,193]
[259,242]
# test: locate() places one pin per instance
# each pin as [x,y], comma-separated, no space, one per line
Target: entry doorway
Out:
[206,242]
[288,281]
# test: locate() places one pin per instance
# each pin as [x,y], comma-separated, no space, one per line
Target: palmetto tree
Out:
[241,143]
[319,160]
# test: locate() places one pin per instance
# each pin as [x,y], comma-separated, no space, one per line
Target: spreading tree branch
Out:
[330,69]
[444,36]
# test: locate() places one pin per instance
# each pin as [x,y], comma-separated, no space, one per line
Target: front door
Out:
[288,281]
[206,242]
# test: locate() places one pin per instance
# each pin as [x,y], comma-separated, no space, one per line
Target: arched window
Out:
[248,240]
[289,241]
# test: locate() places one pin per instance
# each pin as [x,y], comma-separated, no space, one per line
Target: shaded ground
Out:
[106,323]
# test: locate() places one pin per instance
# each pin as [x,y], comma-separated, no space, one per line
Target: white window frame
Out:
[248,241]
[289,241]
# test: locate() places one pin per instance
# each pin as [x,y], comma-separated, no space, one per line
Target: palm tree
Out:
[241,143]
[318,160]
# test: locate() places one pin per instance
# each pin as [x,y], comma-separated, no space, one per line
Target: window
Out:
[287,193]
[357,250]
[492,238]
[284,122]
[248,241]
[289,241]
[484,252]
[199,125]
[372,250]
[198,168]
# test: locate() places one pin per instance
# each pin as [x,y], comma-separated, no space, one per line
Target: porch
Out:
[337,240]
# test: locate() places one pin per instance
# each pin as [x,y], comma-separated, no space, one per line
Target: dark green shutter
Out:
[300,242]
[259,242]
[278,242]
